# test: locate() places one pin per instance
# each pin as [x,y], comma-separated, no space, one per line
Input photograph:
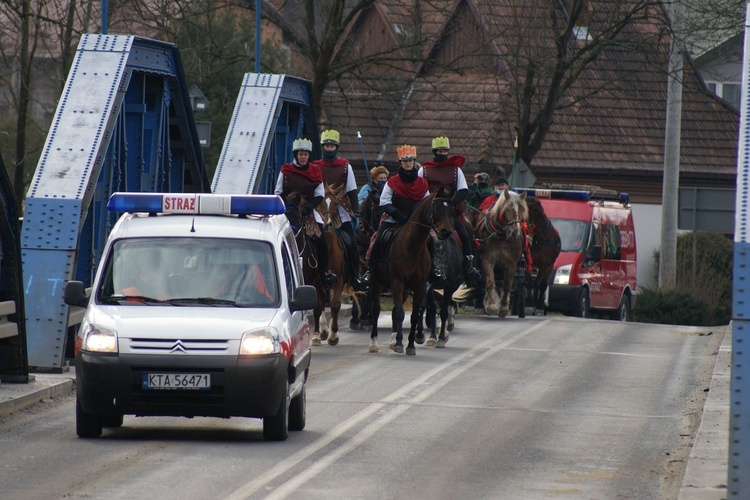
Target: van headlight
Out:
[98,339]
[262,341]
[562,275]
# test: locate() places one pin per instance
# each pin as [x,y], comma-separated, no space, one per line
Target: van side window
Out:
[288,270]
[611,243]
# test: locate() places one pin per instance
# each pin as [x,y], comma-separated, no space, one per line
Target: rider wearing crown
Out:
[337,172]
[400,196]
[307,180]
[445,171]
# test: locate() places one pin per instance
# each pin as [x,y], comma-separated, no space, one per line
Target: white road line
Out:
[490,348]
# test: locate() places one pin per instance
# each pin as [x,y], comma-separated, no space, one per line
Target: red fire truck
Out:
[596,268]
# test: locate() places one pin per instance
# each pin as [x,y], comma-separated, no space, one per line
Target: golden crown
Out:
[330,137]
[441,143]
[407,152]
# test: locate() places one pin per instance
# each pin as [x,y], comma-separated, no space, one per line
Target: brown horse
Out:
[545,247]
[329,211]
[501,236]
[407,267]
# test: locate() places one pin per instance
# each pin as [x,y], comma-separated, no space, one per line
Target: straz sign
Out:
[179,204]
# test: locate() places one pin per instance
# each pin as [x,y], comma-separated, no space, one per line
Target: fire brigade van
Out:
[197,309]
[596,267]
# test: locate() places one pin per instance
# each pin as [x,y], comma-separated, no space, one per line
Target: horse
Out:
[449,258]
[308,251]
[369,219]
[329,211]
[407,266]
[545,247]
[499,230]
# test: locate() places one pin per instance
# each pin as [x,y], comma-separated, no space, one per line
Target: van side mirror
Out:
[74,294]
[305,297]
[594,253]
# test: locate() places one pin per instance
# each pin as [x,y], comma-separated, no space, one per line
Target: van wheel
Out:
[276,427]
[583,304]
[623,311]
[87,424]
[298,411]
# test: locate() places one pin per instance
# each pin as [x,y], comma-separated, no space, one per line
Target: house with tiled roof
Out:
[614,138]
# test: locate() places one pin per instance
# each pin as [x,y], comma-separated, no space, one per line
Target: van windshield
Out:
[573,234]
[190,271]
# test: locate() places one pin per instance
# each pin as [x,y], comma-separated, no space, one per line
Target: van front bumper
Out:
[564,298]
[240,386]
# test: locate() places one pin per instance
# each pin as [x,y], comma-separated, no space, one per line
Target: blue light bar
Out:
[196,203]
[555,194]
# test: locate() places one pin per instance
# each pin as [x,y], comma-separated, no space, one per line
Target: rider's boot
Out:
[363,281]
[472,274]
[330,279]
[437,276]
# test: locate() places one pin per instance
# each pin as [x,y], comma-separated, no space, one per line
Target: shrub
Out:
[702,294]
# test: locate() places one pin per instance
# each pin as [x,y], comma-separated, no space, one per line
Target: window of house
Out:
[729,91]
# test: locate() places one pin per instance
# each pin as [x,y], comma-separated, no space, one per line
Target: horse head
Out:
[508,212]
[294,201]
[329,208]
[441,210]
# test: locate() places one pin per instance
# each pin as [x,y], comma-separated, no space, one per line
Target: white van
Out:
[197,309]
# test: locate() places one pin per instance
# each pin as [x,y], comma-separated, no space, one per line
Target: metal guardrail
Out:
[7,327]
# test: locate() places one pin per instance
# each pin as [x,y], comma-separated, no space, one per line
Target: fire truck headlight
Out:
[562,275]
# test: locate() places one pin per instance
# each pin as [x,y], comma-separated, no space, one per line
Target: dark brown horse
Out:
[306,230]
[501,236]
[369,219]
[545,247]
[407,267]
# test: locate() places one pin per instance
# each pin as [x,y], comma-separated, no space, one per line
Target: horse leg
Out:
[416,319]
[505,299]
[317,311]
[375,314]
[419,339]
[333,338]
[355,323]
[491,300]
[443,319]
[397,336]
[430,319]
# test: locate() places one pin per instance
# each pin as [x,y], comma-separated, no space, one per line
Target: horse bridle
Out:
[431,214]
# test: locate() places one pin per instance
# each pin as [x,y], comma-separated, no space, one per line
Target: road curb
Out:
[706,471]
[53,391]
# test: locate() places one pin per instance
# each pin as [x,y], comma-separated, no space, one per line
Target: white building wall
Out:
[647,220]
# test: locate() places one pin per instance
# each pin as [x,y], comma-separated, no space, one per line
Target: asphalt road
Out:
[512,408]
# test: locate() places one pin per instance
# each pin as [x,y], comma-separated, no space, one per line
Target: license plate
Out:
[176,381]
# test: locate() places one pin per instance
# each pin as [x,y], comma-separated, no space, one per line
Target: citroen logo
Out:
[178,347]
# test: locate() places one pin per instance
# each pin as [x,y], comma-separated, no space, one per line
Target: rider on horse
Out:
[400,196]
[307,180]
[501,184]
[337,172]
[445,171]
[378,177]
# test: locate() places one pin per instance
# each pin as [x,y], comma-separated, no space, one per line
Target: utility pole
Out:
[671,182]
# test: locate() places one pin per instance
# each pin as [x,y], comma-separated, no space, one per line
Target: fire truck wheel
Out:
[623,310]
[583,304]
